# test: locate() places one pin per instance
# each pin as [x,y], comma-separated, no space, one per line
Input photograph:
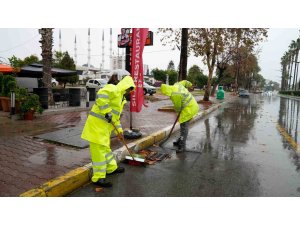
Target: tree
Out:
[201,81]
[15,62]
[183,54]
[284,70]
[31,59]
[296,45]
[47,43]
[64,61]
[175,37]
[209,43]
[18,63]
[196,76]
[171,65]
[57,59]
[161,75]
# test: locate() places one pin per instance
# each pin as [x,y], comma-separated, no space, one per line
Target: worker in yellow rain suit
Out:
[97,130]
[185,83]
[185,104]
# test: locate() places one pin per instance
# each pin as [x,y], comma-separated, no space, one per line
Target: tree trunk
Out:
[46,42]
[296,71]
[213,91]
[290,73]
[207,90]
[183,54]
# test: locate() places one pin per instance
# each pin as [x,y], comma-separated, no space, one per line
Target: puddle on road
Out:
[56,156]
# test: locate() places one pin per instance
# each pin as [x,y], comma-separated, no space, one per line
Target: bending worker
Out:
[187,84]
[185,104]
[97,130]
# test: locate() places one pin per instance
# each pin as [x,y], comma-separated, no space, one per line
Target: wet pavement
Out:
[27,161]
[246,148]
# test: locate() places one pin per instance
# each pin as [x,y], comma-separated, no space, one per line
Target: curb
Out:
[76,178]
[289,96]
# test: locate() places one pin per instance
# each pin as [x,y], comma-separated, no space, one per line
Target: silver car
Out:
[96,83]
[244,93]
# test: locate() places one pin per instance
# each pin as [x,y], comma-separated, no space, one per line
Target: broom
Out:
[132,161]
[164,141]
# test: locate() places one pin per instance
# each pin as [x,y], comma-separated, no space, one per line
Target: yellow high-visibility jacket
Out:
[185,83]
[110,99]
[183,101]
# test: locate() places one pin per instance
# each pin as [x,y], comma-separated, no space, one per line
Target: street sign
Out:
[125,39]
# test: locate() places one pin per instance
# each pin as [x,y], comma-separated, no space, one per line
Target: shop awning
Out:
[6,68]
[36,71]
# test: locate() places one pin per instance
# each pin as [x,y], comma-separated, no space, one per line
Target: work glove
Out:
[108,117]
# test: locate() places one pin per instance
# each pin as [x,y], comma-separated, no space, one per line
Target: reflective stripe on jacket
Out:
[110,99]
[183,101]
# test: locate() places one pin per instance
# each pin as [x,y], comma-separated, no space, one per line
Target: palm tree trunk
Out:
[295,77]
[47,43]
[291,72]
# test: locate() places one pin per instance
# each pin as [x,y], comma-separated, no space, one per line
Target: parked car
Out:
[268,93]
[244,93]
[148,89]
[96,83]
[54,82]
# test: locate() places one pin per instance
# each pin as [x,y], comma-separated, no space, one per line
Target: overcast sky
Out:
[24,42]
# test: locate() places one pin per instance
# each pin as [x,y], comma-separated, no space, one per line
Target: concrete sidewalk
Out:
[29,163]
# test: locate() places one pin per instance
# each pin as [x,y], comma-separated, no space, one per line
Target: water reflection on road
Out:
[237,150]
[246,131]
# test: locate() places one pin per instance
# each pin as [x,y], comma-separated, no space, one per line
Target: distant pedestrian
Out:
[114,79]
[97,130]
[185,104]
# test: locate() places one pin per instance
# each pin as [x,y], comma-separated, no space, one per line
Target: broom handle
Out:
[174,124]
[123,141]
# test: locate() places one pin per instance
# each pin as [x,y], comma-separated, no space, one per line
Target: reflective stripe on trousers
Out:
[103,161]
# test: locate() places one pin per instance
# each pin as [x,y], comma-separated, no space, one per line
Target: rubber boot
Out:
[103,183]
[118,170]
[181,146]
[175,143]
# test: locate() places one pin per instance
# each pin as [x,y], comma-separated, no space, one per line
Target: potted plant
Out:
[21,95]
[8,84]
[30,105]
[1,84]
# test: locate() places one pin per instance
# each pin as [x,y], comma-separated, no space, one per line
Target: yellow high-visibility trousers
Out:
[103,161]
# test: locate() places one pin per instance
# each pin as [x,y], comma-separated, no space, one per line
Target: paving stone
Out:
[25,158]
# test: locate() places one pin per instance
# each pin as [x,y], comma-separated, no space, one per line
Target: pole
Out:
[12,103]
[128,68]
[87,103]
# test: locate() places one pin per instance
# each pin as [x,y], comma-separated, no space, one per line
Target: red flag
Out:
[139,36]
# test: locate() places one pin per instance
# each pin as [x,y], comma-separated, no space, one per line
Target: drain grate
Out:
[151,156]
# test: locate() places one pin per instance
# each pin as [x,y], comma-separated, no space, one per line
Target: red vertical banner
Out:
[139,36]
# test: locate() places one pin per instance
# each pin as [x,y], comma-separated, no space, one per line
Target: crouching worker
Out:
[98,127]
[185,104]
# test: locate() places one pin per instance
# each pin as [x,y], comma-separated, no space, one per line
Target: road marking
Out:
[288,138]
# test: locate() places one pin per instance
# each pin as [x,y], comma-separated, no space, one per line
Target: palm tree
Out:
[296,45]
[284,77]
[297,63]
[47,43]
[292,59]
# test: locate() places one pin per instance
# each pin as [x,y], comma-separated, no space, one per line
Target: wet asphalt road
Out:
[237,150]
